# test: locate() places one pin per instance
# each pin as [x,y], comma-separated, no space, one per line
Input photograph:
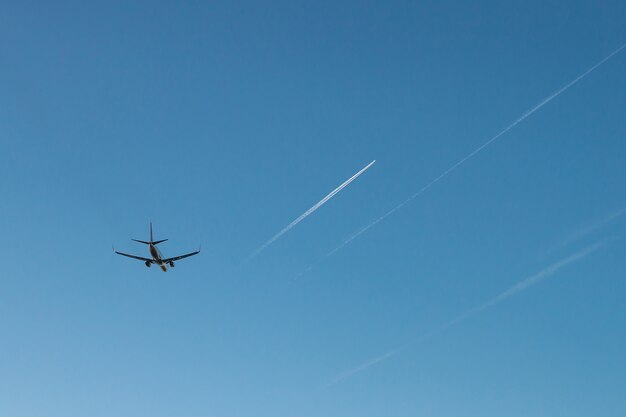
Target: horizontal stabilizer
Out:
[159,241]
[141,241]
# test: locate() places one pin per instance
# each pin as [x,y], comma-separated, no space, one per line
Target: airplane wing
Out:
[176,258]
[134,257]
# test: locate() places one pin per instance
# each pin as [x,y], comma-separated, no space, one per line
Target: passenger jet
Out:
[157,257]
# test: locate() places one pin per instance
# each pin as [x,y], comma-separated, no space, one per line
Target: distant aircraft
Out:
[157,258]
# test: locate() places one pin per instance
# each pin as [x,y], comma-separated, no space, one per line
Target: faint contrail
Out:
[517,288]
[588,229]
[310,211]
[474,152]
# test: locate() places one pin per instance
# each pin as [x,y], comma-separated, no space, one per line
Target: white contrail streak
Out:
[515,289]
[310,211]
[589,229]
[474,152]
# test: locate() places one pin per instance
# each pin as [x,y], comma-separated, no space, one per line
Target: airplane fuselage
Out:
[157,257]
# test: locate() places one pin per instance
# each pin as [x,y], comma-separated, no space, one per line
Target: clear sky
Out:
[497,292]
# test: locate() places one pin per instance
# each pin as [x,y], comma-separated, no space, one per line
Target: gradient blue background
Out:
[223,121]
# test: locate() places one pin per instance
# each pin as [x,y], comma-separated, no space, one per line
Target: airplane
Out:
[157,257]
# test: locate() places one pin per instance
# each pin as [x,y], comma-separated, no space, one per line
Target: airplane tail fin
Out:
[151,242]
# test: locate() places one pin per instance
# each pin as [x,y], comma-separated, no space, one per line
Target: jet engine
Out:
[171,264]
[148,264]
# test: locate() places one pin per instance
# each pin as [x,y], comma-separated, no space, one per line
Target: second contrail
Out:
[474,152]
[515,289]
[310,211]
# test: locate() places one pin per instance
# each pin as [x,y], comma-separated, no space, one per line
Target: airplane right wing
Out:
[135,257]
[176,258]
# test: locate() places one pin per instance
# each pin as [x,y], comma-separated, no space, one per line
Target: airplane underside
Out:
[161,265]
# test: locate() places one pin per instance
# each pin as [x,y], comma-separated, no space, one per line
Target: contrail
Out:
[588,229]
[474,152]
[310,211]
[515,289]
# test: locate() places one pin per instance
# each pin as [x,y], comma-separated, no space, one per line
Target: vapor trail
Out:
[588,229]
[515,289]
[310,211]
[474,152]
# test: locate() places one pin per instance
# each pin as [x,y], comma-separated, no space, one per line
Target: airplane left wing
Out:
[134,257]
[177,258]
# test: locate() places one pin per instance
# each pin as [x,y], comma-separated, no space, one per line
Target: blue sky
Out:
[222,122]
